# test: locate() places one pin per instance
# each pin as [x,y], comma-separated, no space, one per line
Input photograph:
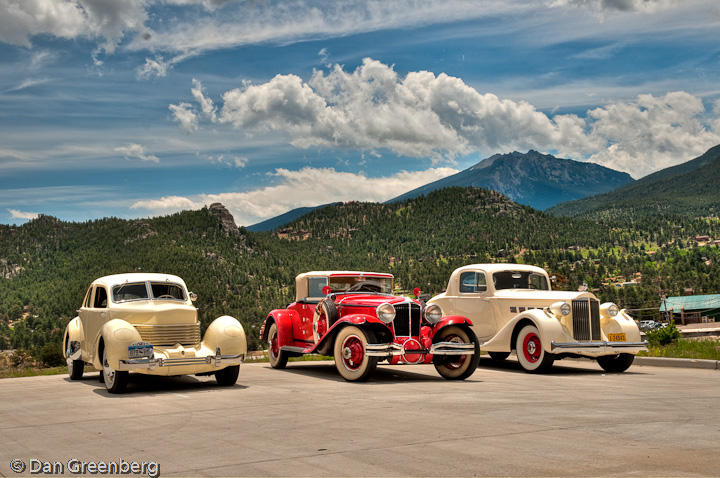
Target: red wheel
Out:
[529,349]
[456,367]
[278,359]
[351,360]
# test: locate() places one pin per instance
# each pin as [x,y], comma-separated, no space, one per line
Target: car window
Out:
[167,291]
[472,282]
[100,298]
[88,294]
[315,286]
[132,291]
[519,280]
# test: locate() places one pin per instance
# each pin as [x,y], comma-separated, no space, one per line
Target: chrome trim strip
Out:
[383,350]
[440,348]
[452,348]
[293,349]
[216,360]
[596,345]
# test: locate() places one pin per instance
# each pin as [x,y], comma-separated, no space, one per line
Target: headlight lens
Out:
[385,312]
[560,308]
[433,313]
[609,309]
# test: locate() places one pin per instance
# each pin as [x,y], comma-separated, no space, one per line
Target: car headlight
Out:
[560,308]
[433,313]
[609,309]
[385,312]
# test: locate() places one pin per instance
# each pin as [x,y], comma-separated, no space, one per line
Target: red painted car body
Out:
[311,324]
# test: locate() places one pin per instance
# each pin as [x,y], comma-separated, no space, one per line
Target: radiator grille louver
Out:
[187,334]
[586,319]
[407,320]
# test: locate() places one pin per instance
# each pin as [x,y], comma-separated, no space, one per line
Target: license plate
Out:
[140,350]
[616,337]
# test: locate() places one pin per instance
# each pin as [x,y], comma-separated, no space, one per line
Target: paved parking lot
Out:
[406,421]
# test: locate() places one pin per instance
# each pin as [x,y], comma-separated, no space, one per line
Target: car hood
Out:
[154,312]
[369,299]
[544,296]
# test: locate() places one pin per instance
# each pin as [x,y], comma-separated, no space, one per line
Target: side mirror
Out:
[326,290]
[193,296]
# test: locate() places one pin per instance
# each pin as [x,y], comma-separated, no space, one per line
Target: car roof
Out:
[502,266]
[342,273]
[115,279]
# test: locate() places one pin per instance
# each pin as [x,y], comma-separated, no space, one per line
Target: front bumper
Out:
[218,360]
[598,348]
[439,348]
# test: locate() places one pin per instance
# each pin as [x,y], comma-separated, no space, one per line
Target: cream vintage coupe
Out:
[146,323]
[513,309]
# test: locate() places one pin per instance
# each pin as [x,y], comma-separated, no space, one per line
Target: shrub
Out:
[50,355]
[664,335]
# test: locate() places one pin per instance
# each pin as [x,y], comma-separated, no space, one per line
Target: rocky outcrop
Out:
[227,221]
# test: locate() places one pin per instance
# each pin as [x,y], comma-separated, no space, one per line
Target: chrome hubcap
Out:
[531,348]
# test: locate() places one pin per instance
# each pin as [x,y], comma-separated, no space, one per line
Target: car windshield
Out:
[520,280]
[167,291]
[382,285]
[131,291]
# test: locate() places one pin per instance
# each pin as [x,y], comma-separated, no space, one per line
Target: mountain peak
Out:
[533,178]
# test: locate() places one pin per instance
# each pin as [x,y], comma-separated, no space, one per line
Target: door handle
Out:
[103,314]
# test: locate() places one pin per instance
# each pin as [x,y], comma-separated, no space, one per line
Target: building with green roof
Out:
[687,309]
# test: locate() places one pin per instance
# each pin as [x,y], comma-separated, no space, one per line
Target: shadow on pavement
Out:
[589,367]
[143,385]
[383,374]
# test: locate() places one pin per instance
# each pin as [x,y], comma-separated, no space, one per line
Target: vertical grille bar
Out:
[595,319]
[407,320]
[581,315]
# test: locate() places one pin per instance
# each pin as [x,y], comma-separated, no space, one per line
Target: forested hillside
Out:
[46,265]
[690,188]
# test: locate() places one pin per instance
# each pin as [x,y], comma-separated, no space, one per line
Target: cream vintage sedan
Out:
[146,323]
[513,309]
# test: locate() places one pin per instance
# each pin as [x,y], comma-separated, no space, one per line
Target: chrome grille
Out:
[407,320]
[186,334]
[586,319]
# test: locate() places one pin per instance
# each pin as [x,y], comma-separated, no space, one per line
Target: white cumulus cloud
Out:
[23,214]
[109,21]
[137,151]
[183,113]
[292,191]
[439,116]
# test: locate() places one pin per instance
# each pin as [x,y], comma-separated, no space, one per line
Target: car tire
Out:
[115,380]
[351,360]
[227,376]
[278,358]
[76,368]
[530,352]
[328,309]
[616,363]
[499,356]
[458,367]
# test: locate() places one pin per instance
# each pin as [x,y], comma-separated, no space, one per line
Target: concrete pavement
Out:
[406,421]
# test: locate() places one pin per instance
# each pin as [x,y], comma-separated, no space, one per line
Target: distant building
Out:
[690,309]
[702,238]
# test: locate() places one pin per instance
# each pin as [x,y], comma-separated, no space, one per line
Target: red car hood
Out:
[369,299]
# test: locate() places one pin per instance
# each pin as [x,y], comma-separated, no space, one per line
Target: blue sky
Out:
[142,108]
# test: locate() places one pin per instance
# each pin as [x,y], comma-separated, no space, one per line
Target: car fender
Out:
[116,336]
[283,318]
[325,344]
[448,321]
[621,323]
[227,333]
[549,328]
[73,339]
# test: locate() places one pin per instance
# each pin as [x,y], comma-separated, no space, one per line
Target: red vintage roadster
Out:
[354,317]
